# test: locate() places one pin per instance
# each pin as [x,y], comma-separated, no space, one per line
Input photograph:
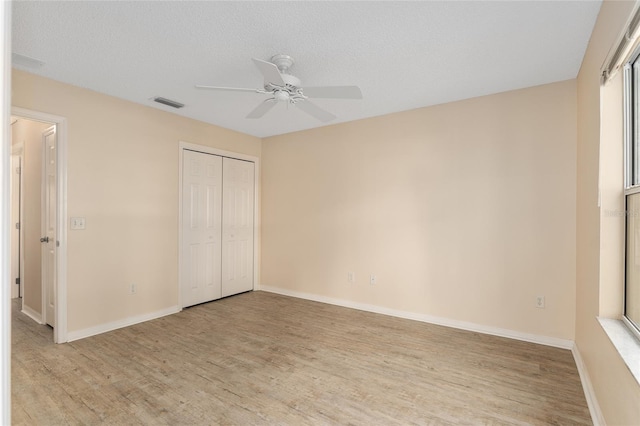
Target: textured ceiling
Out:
[403,55]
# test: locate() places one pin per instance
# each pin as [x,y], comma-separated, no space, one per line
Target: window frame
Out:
[631,159]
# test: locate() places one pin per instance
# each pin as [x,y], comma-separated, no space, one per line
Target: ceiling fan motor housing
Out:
[291,91]
[291,82]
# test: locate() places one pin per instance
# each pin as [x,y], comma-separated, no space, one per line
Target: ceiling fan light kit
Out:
[286,88]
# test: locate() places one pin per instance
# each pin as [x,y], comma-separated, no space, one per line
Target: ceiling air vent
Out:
[168,102]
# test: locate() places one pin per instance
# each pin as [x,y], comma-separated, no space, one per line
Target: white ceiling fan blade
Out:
[262,108]
[315,111]
[335,92]
[270,72]
[228,89]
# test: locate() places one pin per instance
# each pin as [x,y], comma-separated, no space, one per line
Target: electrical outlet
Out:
[372,279]
[539,301]
[351,277]
[132,288]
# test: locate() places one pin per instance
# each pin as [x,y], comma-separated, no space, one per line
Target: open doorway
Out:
[38,248]
[32,278]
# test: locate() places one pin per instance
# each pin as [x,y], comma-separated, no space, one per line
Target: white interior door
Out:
[16,171]
[48,240]
[237,226]
[201,227]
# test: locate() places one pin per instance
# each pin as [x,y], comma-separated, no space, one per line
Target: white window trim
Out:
[626,343]
[631,167]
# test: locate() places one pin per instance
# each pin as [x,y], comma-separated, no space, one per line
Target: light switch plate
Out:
[77,223]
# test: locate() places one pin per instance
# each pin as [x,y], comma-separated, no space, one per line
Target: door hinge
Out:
[17,225]
[18,281]
[18,170]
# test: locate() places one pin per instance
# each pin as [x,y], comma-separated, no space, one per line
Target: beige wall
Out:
[464,211]
[123,178]
[617,392]
[29,133]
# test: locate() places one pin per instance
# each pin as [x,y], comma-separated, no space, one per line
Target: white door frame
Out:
[60,330]
[256,206]
[5,217]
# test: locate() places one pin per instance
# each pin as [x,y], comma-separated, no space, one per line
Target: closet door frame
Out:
[182,146]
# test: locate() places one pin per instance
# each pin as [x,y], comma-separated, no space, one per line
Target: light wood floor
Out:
[261,358]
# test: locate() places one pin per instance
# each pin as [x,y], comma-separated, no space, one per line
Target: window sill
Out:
[625,342]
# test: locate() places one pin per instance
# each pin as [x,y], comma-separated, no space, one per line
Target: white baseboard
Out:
[592,401]
[532,338]
[103,328]
[37,317]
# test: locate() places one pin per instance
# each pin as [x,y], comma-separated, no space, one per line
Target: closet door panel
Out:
[237,226]
[201,227]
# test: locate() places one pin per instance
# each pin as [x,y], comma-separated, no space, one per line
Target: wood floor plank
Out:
[261,358]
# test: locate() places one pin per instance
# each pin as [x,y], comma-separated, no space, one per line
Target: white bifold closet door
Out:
[201,227]
[237,226]
[217,227]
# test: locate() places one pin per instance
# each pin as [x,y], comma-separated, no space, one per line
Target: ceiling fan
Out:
[284,87]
